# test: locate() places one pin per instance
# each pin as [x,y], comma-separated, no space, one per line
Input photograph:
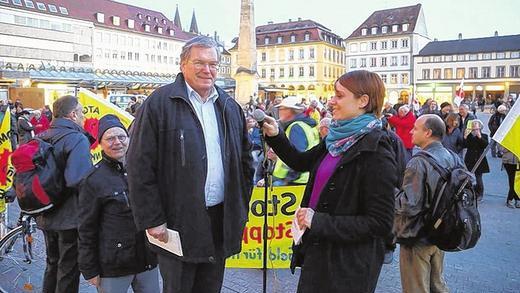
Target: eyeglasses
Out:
[112,139]
[201,65]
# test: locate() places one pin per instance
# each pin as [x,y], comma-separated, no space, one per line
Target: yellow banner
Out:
[95,107]
[6,168]
[281,204]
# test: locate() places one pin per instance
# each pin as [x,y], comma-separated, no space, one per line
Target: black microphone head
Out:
[258,115]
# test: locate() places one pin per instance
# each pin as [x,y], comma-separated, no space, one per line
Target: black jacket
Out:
[494,122]
[476,147]
[109,243]
[73,153]
[167,169]
[25,130]
[344,249]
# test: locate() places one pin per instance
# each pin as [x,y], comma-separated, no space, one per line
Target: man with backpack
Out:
[421,262]
[59,225]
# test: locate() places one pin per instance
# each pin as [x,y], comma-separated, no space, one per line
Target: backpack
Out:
[453,221]
[39,182]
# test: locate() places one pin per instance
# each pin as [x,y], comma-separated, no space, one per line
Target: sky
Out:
[445,19]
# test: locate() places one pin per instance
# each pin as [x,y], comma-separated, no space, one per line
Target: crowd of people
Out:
[190,167]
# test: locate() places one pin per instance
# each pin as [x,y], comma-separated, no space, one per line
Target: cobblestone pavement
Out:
[492,266]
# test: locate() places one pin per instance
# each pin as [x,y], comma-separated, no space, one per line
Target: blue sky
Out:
[445,19]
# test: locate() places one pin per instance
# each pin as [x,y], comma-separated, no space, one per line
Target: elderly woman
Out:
[476,142]
[403,124]
[112,254]
[348,205]
[453,140]
[39,122]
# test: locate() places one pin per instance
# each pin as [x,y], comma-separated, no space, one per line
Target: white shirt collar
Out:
[213,95]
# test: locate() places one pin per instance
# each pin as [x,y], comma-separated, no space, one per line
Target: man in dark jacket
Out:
[421,263]
[25,128]
[112,254]
[464,117]
[190,170]
[494,123]
[72,147]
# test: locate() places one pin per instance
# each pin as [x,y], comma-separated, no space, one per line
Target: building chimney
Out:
[496,33]
[299,19]
[290,20]
[460,36]
[435,40]
[270,22]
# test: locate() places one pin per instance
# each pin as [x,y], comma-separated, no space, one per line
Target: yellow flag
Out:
[6,168]
[517,181]
[95,107]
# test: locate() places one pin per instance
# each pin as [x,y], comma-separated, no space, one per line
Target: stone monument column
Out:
[246,75]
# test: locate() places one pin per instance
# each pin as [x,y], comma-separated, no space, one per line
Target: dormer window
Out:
[146,27]
[164,21]
[41,6]
[64,10]
[395,27]
[52,8]
[279,39]
[405,27]
[116,20]
[307,36]
[29,4]
[293,38]
[100,17]
[130,23]
[159,30]
[266,41]
[156,19]
[374,30]
[384,29]
[148,17]
[17,2]
[364,32]
[172,32]
[139,15]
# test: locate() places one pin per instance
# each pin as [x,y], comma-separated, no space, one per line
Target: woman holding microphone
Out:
[348,205]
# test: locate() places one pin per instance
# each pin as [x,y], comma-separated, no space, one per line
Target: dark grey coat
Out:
[344,249]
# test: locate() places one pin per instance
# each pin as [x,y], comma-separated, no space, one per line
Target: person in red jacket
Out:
[403,124]
[40,122]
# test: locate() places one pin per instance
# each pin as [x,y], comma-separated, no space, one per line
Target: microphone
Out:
[259,116]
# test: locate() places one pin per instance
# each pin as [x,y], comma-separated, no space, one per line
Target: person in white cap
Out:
[494,122]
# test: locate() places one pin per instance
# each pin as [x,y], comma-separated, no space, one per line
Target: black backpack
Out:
[453,222]
[39,181]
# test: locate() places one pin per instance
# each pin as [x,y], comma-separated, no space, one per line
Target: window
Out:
[404,60]
[405,27]
[353,48]
[152,58]
[264,56]
[393,61]
[100,17]
[172,32]
[311,53]
[363,62]
[486,72]
[139,15]
[130,55]
[426,73]
[311,70]
[384,29]
[473,57]
[486,56]
[17,2]
[425,59]
[52,8]
[393,78]
[266,41]
[374,30]
[130,23]
[373,46]
[123,55]
[515,54]
[279,39]
[115,20]
[436,58]
[461,57]
[146,27]
[473,72]
[437,73]
[461,72]
[384,45]
[501,55]
[29,3]
[395,27]
[383,77]
[448,58]
[114,55]
[394,44]
[514,71]
[64,10]
[353,63]
[301,71]
[293,38]
[282,72]
[291,54]
[307,36]
[302,54]
[448,73]
[363,47]
[364,32]
[107,54]
[159,30]
[263,72]
[501,71]
[404,78]
[373,62]
[383,61]
[272,73]
[291,71]
[41,6]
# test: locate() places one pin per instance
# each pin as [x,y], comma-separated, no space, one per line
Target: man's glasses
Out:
[112,139]
[201,65]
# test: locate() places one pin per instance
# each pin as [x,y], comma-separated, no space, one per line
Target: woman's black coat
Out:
[476,147]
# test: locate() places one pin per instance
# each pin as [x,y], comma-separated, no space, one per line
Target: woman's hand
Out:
[304,217]
[270,126]
[94,281]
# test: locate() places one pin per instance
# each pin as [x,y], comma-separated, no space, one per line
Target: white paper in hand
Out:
[173,245]
[297,233]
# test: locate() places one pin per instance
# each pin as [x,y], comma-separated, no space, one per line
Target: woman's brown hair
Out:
[362,82]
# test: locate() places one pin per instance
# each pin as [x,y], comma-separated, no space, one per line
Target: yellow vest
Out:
[281,169]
